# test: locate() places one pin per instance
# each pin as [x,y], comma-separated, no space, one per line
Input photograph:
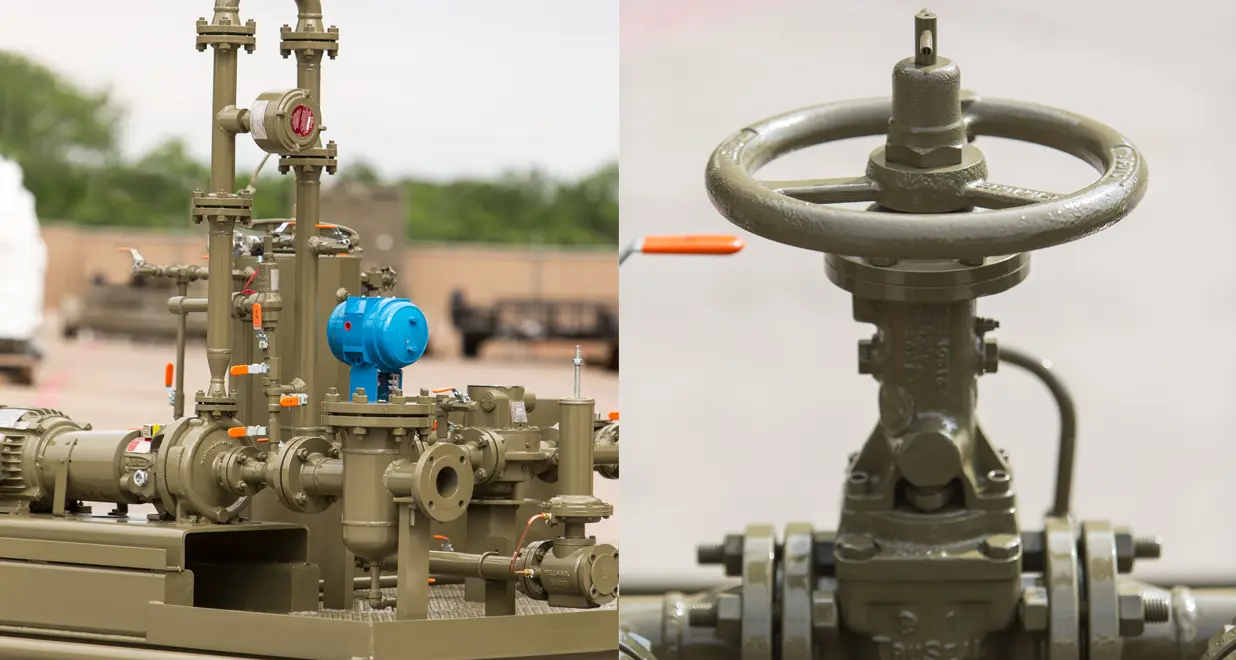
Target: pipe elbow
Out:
[308,16]
[227,12]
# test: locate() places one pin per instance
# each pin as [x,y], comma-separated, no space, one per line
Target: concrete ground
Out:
[740,388]
[119,384]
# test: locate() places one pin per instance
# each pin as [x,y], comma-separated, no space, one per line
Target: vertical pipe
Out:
[182,323]
[267,284]
[308,196]
[412,590]
[222,180]
[308,191]
[575,453]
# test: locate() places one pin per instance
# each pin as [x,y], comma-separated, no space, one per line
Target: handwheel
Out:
[933,194]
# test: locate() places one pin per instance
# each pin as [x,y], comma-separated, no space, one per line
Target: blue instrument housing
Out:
[376,338]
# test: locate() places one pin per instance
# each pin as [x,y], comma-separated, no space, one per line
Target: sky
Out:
[432,88]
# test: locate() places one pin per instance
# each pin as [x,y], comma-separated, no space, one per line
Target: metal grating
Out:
[445,602]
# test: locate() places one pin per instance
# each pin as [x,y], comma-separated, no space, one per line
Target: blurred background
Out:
[478,147]
[742,396]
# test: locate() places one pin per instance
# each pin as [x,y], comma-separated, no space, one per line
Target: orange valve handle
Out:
[613,416]
[698,244]
[257,316]
[237,432]
[293,400]
[442,390]
[169,374]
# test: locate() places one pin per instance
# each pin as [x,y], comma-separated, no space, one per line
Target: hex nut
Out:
[824,615]
[1034,611]
[1124,550]
[1001,546]
[866,357]
[1132,613]
[991,355]
[942,156]
[856,547]
[734,546]
[729,617]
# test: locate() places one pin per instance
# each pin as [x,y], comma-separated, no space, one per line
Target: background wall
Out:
[740,390]
[428,272]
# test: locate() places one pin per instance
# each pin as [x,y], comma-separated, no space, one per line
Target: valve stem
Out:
[926,43]
[579,363]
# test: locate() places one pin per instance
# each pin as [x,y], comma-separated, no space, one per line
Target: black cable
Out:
[1068,422]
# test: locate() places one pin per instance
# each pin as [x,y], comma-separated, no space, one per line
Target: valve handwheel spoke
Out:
[827,191]
[988,195]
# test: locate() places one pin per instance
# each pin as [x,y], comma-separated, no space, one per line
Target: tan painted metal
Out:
[281,481]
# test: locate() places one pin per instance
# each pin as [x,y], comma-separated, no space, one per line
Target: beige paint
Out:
[429,271]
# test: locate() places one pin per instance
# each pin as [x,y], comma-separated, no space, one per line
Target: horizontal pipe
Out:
[605,455]
[460,564]
[24,648]
[391,581]
[182,305]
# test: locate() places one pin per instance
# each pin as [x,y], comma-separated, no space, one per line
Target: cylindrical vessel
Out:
[575,446]
[370,514]
[96,470]
[37,444]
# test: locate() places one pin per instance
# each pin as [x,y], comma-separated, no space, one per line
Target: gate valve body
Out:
[377,338]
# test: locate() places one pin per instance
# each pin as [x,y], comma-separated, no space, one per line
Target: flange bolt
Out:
[1148,547]
[1157,610]
[710,554]
[703,614]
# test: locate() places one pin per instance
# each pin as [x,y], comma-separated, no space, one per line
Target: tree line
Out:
[67,141]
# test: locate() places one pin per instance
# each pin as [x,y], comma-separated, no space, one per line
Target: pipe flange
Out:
[1062,574]
[758,586]
[1098,545]
[324,41]
[527,562]
[927,280]
[607,435]
[442,482]
[235,34]
[286,474]
[1222,646]
[230,468]
[222,204]
[492,447]
[797,582]
[185,469]
[222,406]
[325,158]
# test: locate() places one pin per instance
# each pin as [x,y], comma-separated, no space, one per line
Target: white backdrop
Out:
[740,393]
